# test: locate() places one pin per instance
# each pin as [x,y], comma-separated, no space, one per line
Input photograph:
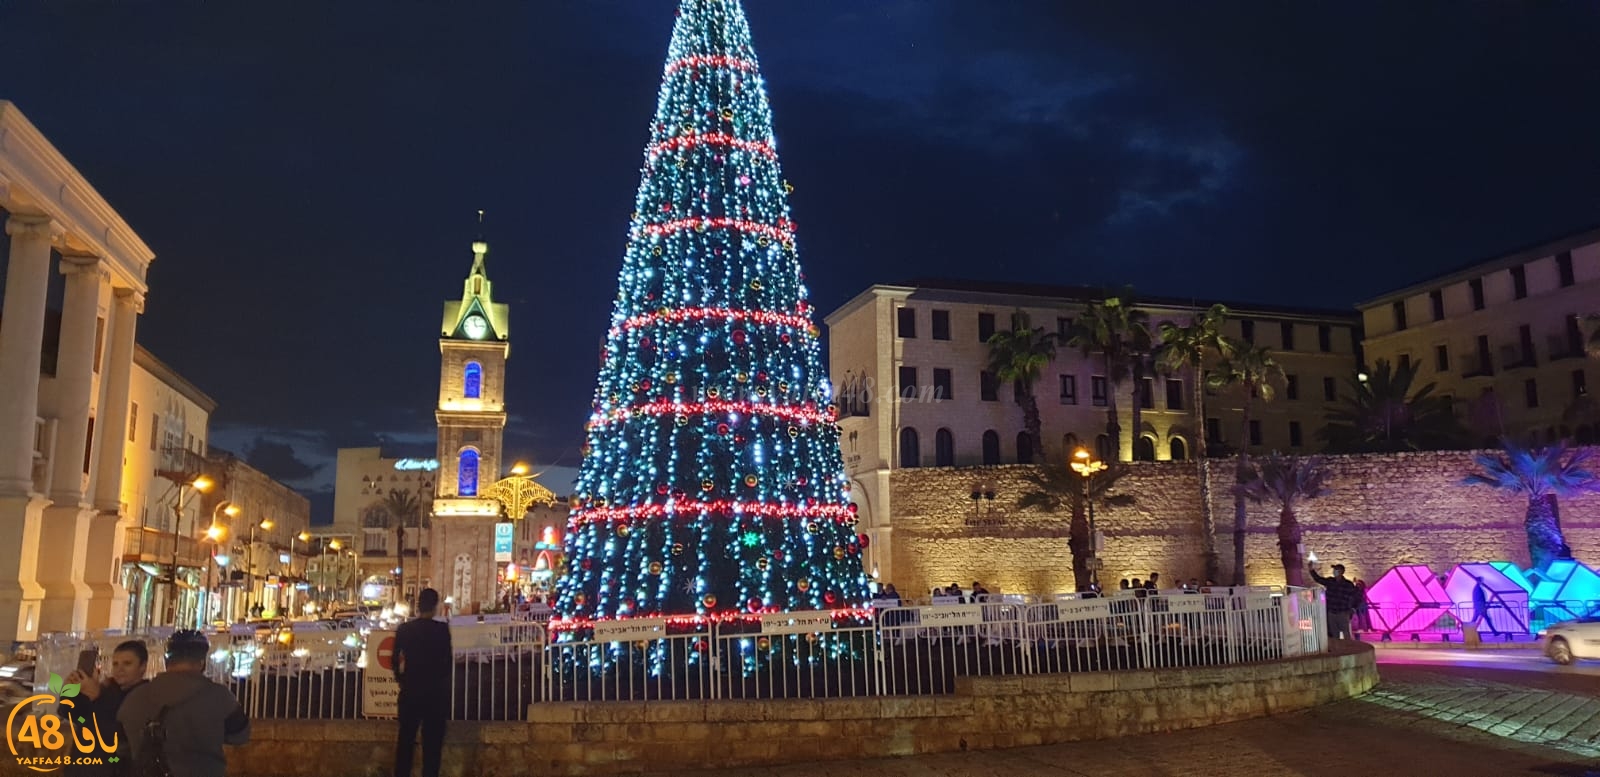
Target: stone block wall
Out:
[610,738]
[1385,509]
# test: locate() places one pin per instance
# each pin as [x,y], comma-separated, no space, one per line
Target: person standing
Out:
[1342,600]
[184,714]
[101,698]
[422,666]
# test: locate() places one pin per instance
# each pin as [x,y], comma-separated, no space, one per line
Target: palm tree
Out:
[1286,481]
[402,505]
[1019,357]
[1108,329]
[1190,348]
[1542,475]
[1057,488]
[1252,370]
[1381,414]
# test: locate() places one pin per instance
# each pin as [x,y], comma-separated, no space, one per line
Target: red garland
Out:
[719,222]
[711,60]
[586,514]
[807,414]
[679,315]
[710,139]
[572,624]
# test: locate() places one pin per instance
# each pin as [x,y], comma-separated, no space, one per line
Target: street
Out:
[1437,712]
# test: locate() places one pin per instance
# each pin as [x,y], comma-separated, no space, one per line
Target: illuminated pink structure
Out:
[1407,599]
[1485,594]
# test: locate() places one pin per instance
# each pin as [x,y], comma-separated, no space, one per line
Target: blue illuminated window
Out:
[472,381]
[468,475]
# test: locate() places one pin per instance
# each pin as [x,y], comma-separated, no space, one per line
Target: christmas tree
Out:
[712,488]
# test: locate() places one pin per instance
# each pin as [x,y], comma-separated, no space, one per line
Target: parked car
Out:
[1569,641]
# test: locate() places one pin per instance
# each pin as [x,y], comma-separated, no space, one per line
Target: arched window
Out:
[472,381]
[991,447]
[1069,443]
[467,475]
[1179,449]
[944,448]
[1145,449]
[1102,447]
[1024,448]
[910,453]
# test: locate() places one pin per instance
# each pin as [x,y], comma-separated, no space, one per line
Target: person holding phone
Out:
[101,697]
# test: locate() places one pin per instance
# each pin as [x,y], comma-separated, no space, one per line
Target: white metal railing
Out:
[502,665]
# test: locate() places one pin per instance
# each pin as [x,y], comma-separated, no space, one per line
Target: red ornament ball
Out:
[755,605]
[863,540]
[662,489]
[709,600]
[830,597]
[738,337]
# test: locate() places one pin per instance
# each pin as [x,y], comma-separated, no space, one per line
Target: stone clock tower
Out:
[474,342]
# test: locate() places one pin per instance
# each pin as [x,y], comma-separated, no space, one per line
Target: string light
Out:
[715,407]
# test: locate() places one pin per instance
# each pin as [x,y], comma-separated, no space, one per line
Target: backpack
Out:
[152,760]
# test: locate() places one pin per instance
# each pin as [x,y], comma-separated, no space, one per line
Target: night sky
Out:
[309,173]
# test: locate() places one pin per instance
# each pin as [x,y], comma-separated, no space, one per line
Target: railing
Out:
[503,666]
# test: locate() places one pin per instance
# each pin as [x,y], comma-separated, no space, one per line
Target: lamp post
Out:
[1087,467]
[265,524]
[214,535]
[200,484]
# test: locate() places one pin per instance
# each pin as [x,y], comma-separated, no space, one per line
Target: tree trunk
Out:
[1240,517]
[1208,518]
[1031,423]
[1294,567]
[1113,425]
[1138,408]
[1545,543]
[1078,543]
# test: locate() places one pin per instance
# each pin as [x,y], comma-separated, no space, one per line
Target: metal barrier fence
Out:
[501,668]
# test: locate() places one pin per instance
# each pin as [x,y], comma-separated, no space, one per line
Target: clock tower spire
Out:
[474,343]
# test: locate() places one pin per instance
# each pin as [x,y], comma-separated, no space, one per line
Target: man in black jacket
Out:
[101,698]
[194,715]
[422,666]
[1342,600]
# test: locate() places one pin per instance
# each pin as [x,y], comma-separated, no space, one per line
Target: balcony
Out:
[140,544]
[1478,366]
[1514,357]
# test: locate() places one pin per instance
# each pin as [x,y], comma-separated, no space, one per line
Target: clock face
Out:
[475,327]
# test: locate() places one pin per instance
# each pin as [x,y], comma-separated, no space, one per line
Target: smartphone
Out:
[88,661]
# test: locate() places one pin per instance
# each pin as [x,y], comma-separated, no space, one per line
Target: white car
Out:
[1569,641]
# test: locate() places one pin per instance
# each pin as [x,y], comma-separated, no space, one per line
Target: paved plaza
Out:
[1451,721]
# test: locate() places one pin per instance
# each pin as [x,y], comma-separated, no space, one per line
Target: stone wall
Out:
[1385,509]
[984,713]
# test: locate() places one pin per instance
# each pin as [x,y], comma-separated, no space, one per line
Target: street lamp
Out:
[214,535]
[265,524]
[201,484]
[1087,467]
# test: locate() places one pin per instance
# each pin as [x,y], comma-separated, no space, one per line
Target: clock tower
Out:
[474,342]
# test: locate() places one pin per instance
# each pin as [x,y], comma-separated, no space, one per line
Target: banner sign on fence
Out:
[884,604]
[951,615]
[1258,601]
[1184,603]
[504,534]
[796,622]
[943,600]
[380,695]
[631,630]
[497,617]
[1083,609]
[474,636]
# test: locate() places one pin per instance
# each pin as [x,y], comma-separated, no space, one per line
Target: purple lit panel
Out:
[1407,599]
[1504,603]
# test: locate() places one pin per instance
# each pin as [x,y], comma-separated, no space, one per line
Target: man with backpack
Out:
[178,722]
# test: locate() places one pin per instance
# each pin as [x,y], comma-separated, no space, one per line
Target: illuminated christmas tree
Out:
[712,488]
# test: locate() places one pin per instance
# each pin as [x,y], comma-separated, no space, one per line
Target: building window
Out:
[1295,439]
[155,429]
[1213,431]
[991,447]
[1286,332]
[1174,394]
[988,387]
[941,384]
[1247,330]
[1564,268]
[1325,338]
[1574,336]
[1024,448]
[1291,386]
[471,435]
[1018,390]
[1519,282]
[1436,299]
[1330,390]
[1097,390]
[906,322]
[1485,367]
[1476,286]
[944,448]
[908,383]
[467,475]
[941,325]
[1069,389]
[1063,327]
[472,381]
[133,422]
[1580,384]
[1178,449]
[1147,393]
[99,342]
[1441,358]
[88,445]
[1144,448]
[1530,392]
[1405,361]
[1525,342]
[910,451]
[985,327]
[1255,432]
[1399,308]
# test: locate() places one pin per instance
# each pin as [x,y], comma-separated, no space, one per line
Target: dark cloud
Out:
[279,462]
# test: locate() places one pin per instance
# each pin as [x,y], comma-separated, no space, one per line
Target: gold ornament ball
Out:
[655,567]
[838,552]
[751,480]
[803,584]
[709,600]
[707,484]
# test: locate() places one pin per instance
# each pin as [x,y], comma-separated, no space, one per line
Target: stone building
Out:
[1504,338]
[261,539]
[60,471]
[364,479]
[908,367]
